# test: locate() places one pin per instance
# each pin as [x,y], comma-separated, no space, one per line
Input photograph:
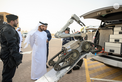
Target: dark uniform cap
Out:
[11,17]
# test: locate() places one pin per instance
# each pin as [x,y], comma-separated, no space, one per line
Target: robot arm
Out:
[60,33]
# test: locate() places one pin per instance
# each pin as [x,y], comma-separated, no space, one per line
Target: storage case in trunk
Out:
[116,38]
[115,48]
[118,28]
[117,32]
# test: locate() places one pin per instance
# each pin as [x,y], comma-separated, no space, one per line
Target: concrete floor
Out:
[89,69]
[23,73]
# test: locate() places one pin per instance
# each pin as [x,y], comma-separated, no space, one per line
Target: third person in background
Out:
[65,41]
[49,38]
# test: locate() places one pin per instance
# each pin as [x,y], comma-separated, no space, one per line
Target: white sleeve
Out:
[46,35]
[32,40]
[20,35]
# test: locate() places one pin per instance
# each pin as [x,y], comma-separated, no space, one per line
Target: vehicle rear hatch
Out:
[105,14]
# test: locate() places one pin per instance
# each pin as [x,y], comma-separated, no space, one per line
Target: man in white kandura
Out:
[37,39]
[20,36]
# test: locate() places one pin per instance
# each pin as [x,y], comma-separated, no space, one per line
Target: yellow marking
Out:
[83,28]
[87,72]
[107,73]
[99,64]
[88,60]
[92,62]
[98,69]
[118,78]
[92,80]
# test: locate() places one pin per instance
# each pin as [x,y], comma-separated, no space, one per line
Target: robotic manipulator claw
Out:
[60,33]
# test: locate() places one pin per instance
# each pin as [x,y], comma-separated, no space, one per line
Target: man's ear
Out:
[11,21]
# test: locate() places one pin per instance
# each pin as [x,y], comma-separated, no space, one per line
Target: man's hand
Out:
[47,41]
[18,63]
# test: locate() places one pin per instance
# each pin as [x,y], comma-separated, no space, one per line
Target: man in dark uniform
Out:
[66,40]
[49,38]
[10,55]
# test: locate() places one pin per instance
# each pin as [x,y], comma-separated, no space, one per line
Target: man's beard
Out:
[42,29]
[15,25]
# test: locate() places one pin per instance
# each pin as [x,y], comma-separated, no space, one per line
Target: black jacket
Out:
[10,45]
